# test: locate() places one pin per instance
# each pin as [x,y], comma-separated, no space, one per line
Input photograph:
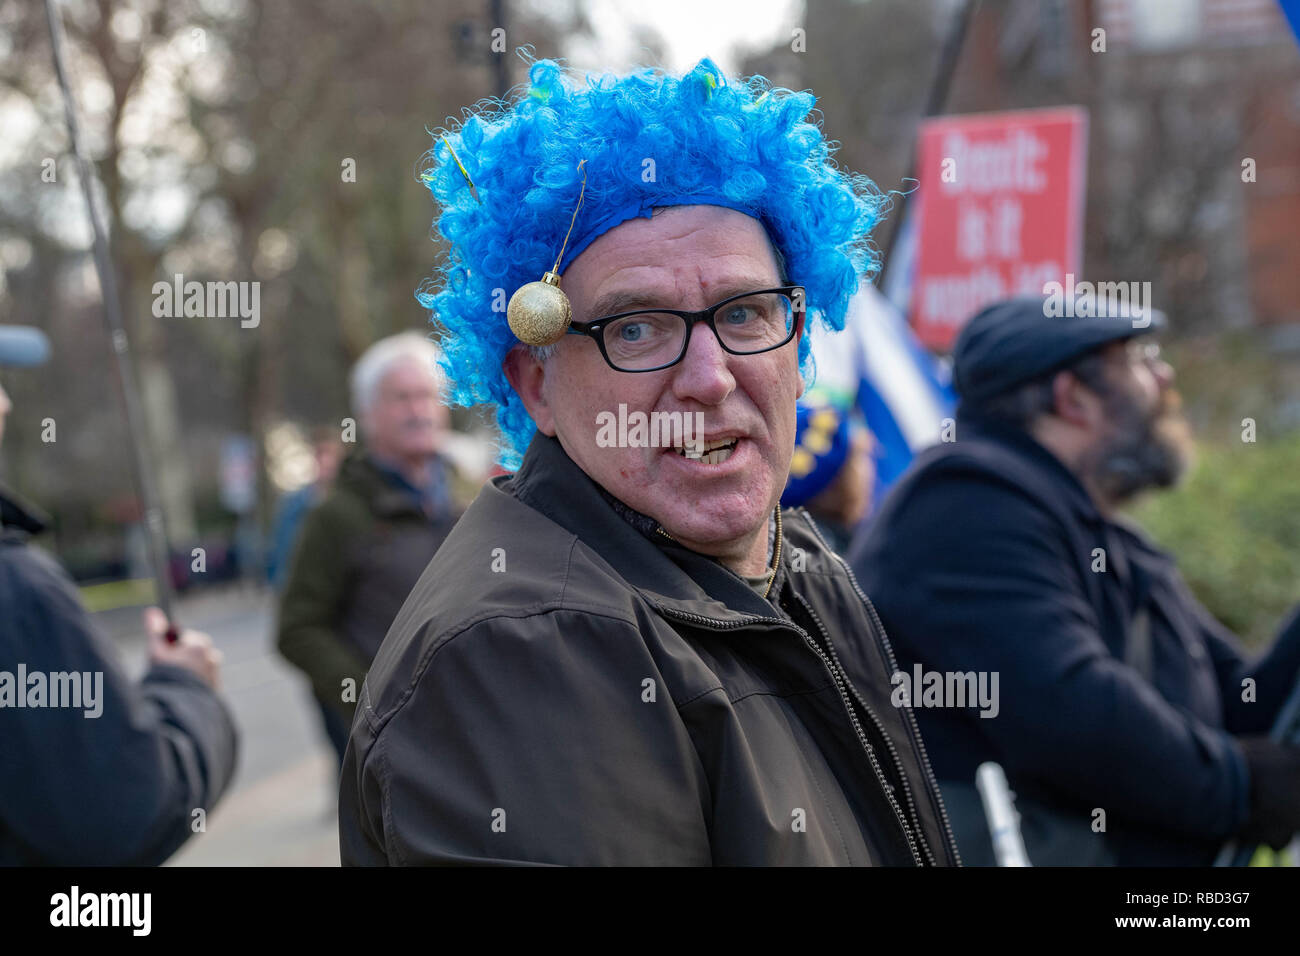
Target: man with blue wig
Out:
[625,652]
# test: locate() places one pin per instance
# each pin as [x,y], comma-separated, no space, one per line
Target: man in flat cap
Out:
[625,652]
[1130,724]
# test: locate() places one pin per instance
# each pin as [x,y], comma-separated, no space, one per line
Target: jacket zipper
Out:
[776,559]
[893,664]
[889,743]
[885,785]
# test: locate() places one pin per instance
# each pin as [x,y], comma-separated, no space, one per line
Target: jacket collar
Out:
[1127,544]
[1028,448]
[18,515]
[386,498]
[633,544]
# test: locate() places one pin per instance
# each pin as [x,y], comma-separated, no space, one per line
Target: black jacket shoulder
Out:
[116,780]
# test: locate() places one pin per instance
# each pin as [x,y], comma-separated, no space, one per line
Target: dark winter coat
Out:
[1119,692]
[119,788]
[568,685]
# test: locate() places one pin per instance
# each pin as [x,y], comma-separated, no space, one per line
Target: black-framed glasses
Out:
[1143,352]
[648,340]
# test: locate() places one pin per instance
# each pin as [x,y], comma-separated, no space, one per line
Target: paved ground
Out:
[280,810]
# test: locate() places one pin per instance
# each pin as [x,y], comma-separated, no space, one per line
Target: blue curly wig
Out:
[740,144]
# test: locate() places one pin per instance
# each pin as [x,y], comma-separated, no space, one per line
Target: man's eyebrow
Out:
[616,302]
[632,299]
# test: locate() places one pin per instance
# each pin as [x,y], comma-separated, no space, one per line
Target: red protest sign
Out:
[1001,197]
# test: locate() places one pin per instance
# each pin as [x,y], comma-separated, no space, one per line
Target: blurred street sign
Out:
[1001,212]
[238,474]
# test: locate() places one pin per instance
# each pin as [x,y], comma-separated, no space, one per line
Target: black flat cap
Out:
[1016,340]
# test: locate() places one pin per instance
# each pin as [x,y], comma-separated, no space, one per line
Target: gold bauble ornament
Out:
[539,312]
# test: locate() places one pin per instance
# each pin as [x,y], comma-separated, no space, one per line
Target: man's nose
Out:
[1164,373]
[704,373]
[417,405]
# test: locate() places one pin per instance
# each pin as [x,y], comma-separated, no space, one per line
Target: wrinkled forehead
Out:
[680,249]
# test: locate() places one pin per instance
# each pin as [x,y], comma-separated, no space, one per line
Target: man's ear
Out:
[801,326]
[1075,403]
[527,376]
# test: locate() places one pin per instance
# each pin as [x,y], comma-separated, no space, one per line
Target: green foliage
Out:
[108,595]
[1234,528]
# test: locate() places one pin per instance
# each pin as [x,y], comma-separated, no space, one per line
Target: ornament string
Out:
[581,196]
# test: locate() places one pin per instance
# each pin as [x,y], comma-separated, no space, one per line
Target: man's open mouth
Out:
[710,452]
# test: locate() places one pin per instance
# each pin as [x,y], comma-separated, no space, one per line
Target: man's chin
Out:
[1161,459]
[709,533]
[1173,436]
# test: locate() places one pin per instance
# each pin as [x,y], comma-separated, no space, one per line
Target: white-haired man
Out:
[365,545]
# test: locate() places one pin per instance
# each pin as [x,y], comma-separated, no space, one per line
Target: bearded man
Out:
[630,654]
[1130,724]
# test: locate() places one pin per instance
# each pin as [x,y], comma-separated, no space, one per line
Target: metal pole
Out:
[154,524]
[1000,809]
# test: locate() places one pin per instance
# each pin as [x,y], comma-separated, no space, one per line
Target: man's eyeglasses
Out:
[1143,353]
[653,339]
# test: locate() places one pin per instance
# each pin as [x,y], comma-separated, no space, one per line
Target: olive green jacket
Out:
[359,553]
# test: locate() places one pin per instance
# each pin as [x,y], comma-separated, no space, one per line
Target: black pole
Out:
[934,104]
[154,523]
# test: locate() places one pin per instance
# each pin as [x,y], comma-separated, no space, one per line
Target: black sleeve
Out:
[115,781]
[1272,674]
